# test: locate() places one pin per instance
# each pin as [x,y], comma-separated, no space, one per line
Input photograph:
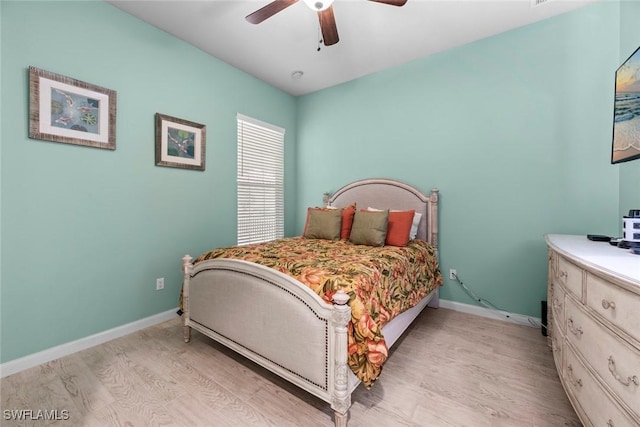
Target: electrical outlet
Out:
[160,283]
[453,274]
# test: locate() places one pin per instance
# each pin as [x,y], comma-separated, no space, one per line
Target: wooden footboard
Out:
[292,332]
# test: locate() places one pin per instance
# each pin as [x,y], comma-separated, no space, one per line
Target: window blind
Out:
[260,181]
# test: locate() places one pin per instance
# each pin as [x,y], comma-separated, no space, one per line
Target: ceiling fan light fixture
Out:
[324,11]
[318,5]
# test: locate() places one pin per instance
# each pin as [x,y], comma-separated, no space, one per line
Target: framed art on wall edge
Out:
[62,109]
[626,120]
[180,143]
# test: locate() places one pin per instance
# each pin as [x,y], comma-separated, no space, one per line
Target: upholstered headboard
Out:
[381,193]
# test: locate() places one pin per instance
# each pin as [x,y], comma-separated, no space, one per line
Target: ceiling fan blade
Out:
[392,2]
[269,10]
[328,26]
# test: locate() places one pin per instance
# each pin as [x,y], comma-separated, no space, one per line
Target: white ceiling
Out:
[373,36]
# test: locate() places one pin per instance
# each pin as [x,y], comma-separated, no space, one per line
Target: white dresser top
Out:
[601,256]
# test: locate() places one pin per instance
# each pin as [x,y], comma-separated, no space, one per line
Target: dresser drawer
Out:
[570,276]
[596,403]
[613,360]
[617,305]
[557,306]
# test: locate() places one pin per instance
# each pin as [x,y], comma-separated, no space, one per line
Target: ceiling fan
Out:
[325,15]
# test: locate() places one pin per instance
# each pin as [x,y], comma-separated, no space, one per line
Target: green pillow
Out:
[369,228]
[324,224]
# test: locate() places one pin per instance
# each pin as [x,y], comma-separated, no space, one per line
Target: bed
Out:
[305,335]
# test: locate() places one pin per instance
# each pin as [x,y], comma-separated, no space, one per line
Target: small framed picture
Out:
[180,143]
[62,109]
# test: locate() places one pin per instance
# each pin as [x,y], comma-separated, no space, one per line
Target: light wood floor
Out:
[449,369]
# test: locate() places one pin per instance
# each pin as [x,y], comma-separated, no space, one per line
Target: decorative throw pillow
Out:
[323,224]
[369,228]
[347,221]
[399,227]
[414,226]
[306,223]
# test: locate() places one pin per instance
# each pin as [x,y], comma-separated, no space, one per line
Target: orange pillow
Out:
[399,227]
[347,221]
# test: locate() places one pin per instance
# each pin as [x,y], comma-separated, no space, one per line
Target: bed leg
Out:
[341,399]
[186,333]
[187,267]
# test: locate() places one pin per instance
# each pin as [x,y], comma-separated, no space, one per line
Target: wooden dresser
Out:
[593,321]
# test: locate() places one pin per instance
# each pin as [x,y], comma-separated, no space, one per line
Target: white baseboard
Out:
[492,314]
[53,353]
[56,352]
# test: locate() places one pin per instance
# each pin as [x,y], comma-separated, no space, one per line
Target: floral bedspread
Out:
[381,282]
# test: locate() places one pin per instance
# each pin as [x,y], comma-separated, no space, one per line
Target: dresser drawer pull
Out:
[575,331]
[610,423]
[563,274]
[572,380]
[608,304]
[625,382]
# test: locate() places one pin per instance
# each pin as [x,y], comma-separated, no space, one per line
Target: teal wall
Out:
[515,130]
[629,42]
[85,231]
